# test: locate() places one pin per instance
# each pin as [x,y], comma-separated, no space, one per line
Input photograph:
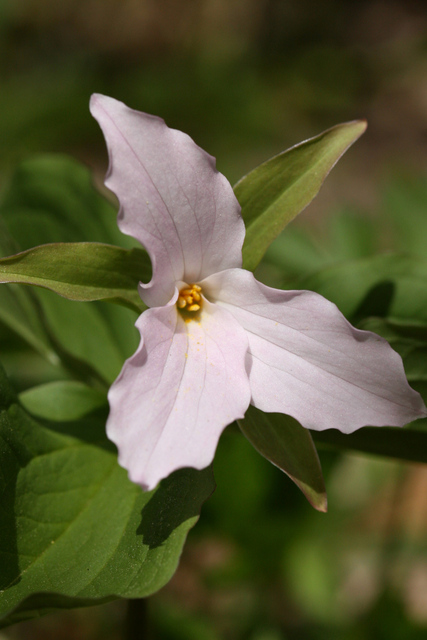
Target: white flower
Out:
[214,339]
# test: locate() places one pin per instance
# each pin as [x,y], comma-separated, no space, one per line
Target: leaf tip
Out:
[318,499]
[359,127]
[322,506]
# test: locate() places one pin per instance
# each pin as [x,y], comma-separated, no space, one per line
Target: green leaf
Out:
[72,523]
[285,443]
[62,400]
[83,271]
[98,334]
[278,190]
[391,442]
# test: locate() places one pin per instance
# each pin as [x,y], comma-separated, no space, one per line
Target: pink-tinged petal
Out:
[174,396]
[172,198]
[307,361]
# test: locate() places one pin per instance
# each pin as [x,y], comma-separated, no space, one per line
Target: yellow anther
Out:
[189,298]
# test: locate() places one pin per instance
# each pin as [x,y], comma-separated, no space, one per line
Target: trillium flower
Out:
[214,339]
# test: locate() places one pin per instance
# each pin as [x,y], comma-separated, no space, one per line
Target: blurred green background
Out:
[247,79]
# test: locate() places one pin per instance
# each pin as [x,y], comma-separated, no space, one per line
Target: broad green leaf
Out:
[22,311]
[391,442]
[384,285]
[83,271]
[98,334]
[62,400]
[285,443]
[278,190]
[72,523]
[53,325]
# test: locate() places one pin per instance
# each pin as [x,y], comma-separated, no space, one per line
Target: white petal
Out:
[173,398]
[309,362]
[172,198]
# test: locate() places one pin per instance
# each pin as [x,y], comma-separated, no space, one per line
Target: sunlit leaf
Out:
[83,271]
[278,190]
[72,523]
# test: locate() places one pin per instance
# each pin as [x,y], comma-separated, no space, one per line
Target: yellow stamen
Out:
[190,299]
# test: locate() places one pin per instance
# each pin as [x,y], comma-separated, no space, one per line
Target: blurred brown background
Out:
[245,78]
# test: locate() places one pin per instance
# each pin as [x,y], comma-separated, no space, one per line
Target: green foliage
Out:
[64,400]
[278,190]
[20,310]
[51,198]
[83,271]
[283,441]
[73,525]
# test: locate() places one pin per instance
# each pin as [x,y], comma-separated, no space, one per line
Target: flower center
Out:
[190,298]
